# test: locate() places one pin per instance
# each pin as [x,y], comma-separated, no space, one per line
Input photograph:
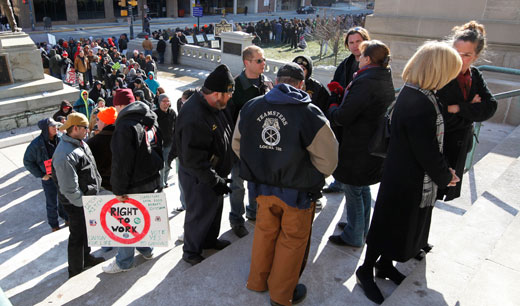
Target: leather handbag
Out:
[378,145]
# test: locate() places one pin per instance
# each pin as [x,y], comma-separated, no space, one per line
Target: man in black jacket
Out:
[176,42]
[161,48]
[203,140]
[136,161]
[166,117]
[100,144]
[249,84]
[319,95]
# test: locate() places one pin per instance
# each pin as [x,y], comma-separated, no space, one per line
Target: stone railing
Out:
[199,57]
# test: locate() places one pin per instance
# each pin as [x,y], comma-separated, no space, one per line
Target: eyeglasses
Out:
[258,61]
[302,61]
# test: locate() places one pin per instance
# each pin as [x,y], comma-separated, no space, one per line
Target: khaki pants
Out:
[280,248]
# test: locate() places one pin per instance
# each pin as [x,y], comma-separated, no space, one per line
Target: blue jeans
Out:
[165,171]
[147,52]
[125,256]
[54,208]
[161,57]
[358,202]
[237,199]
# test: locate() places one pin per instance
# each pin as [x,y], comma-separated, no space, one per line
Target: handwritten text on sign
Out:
[140,221]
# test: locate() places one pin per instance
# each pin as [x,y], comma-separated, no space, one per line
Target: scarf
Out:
[429,188]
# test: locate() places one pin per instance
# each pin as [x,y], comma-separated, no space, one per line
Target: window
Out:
[55,9]
[91,9]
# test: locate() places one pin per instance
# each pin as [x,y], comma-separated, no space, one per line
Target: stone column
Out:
[172,8]
[232,45]
[235,7]
[71,6]
[109,10]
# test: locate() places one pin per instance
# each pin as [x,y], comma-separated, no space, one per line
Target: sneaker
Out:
[181,237]
[148,257]
[318,204]
[113,268]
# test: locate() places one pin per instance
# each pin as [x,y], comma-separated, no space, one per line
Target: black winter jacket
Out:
[166,121]
[100,148]
[363,107]
[136,158]
[203,140]
[245,91]
[458,137]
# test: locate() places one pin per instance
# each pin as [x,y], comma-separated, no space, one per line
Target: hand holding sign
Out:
[122,198]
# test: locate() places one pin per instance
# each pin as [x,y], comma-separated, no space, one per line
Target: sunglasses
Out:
[83,126]
[303,62]
[258,61]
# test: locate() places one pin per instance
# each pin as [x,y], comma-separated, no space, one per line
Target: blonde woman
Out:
[414,167]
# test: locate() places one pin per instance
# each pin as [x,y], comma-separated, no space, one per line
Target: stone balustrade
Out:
[199,57]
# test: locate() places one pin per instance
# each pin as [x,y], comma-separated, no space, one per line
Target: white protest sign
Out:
[141,221]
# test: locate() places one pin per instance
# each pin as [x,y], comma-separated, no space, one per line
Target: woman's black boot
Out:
[365,280]
[390,272]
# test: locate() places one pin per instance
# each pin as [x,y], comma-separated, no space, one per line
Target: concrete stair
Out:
[473,261]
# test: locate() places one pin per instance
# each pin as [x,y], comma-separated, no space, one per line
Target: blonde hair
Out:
[432,66]
[249,52]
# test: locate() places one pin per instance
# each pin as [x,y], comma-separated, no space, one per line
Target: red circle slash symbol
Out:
[136,236]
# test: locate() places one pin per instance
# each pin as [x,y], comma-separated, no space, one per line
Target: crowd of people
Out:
[282,138]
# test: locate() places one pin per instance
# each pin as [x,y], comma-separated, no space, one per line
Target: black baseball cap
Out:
[292,70]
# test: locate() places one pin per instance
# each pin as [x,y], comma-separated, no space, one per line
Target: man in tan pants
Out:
[286,150]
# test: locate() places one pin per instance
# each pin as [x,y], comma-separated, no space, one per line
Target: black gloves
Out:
[221,187]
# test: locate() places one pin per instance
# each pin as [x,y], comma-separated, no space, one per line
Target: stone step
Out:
[28,109]
[46,84]
[498,279]
[447,273]
[492,160]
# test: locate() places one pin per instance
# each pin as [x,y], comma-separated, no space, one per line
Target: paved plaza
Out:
[474,261]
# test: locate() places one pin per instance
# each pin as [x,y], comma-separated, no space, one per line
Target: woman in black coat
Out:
[364,106]
[413,168]
[344,75]
[466,99]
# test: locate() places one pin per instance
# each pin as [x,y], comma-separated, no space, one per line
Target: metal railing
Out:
[499,96]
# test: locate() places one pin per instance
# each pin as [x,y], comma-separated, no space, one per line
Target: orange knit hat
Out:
[108,115]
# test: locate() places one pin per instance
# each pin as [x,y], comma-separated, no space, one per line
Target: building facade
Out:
[98,11]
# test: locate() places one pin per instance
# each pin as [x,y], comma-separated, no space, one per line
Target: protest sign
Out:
[140,221]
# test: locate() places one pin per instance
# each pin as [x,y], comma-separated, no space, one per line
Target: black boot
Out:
[390,272]
[365,280]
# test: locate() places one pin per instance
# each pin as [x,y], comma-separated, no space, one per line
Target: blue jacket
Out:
[285,145]
[36,153]
[152,83]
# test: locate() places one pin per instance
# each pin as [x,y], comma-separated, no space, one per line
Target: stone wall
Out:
[406,24]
